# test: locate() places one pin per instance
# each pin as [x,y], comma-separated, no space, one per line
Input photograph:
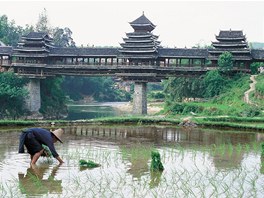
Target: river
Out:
[96,110]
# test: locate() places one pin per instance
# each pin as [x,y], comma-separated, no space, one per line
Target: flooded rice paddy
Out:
[197,162]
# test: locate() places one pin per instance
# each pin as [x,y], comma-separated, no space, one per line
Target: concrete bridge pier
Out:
[33,102]
[140,98]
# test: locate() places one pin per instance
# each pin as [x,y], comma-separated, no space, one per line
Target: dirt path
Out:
[252,88]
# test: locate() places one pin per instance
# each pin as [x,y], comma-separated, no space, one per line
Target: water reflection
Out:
[34,182]
[158,136]
[155,177]
[138,157]
[77,112]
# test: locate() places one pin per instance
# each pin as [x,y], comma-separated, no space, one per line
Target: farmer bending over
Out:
[33,139]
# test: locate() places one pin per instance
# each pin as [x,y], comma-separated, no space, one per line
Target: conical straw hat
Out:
[58,133]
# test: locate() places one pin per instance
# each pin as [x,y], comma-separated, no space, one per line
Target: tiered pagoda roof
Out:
[233,42]
[140,44]
[34,44]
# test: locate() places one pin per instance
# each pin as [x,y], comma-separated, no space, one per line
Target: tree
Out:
[63,37]
[12,95]
[43,23]
[53,98]
[255,66]
[100,88]
[225,61]
[178,88]
[214,83]
[9,32]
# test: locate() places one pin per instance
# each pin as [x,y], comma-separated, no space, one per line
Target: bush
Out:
[177,108]
[251,112]
[158,95]
[192,108]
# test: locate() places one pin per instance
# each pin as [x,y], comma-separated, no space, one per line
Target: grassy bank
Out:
[255,124]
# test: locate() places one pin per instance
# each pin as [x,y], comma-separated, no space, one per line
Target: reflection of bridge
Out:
[140,59]
[198,139]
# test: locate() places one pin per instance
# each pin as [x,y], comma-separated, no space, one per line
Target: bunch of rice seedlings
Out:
[88,164]
[47,152]
[156,164]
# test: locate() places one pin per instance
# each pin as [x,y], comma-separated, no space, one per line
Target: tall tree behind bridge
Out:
[43,23]
[9,32]
[62,37]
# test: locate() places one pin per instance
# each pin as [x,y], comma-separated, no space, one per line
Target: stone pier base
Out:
[33,101]
[140,98]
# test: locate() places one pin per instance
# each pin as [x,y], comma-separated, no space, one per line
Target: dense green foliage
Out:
[225,61]
[226,98]
[260,85]
[53,98]
[156,95]
[258,96]
[255,66]
[215,83]
[178,88]
[12,95]
[100,88]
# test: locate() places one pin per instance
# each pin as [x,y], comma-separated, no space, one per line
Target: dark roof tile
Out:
[72,51]
[142,20]
[231,34]
[6,50]
[183,52]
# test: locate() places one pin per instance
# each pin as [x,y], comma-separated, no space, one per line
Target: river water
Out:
[94,110]
[197,163]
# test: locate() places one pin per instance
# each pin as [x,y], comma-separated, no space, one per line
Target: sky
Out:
[178,23]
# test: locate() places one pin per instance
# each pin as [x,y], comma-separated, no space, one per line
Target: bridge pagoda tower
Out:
[234,42]
[140,48]
[33,49]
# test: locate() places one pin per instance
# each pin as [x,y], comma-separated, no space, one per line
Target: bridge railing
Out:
[124,64]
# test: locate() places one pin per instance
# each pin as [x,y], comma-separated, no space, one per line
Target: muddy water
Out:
[198,163]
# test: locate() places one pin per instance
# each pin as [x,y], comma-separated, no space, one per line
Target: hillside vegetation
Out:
[228,102]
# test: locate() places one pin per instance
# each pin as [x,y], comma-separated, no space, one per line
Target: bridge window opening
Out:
[114,60]
[68,60]
[89,60]
[96,61]
[184,62]
[79,60]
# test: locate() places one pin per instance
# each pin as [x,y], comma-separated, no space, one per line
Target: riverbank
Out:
[249,124]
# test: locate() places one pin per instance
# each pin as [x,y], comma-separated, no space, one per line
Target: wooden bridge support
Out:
[140,98]
[33,101]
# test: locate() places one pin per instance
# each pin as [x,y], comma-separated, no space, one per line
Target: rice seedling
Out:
[156,164]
